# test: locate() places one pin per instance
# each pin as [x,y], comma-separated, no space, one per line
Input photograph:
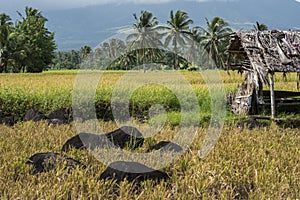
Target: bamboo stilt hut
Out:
[261,54]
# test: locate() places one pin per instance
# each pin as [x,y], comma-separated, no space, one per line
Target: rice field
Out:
[245,164]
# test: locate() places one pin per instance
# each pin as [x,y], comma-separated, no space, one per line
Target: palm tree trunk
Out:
[219,56]
[175,56]
[144,60]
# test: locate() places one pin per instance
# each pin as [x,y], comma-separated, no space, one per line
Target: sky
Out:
[9,6]
[45,5]
[66,30]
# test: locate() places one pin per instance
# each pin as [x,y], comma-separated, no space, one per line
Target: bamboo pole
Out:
[272,95]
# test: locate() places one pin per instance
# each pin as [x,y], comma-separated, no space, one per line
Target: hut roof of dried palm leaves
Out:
[264,52]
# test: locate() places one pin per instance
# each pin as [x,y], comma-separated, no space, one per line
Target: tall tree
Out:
[145,28]
[5,37]
[178,32]
[18,50]
[85,50]
[193,52]
[215,39]
[146,37]
[40,43]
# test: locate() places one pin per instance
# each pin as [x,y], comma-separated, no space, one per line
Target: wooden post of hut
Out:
[272,96]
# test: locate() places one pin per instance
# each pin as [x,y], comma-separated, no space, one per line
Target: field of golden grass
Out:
[258,164]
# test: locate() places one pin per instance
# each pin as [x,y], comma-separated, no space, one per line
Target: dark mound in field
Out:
[56,121]
[125,136]
[83,141]
[61,114]
[166,146]
[34,115]
[250,124]
[132,171]
[8,121]
[288,123]
[44,162]
[58,117]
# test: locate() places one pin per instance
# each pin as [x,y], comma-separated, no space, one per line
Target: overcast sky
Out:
[62,4]
[11,6]
[45,5]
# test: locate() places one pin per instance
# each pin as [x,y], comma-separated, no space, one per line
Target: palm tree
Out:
[215,39]
[178,31]
[114,48]
[260,27]
[194,46]
[5,35]
[145,28]
[146,36]
[117,47]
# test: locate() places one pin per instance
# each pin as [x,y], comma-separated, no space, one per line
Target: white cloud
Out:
[297,0]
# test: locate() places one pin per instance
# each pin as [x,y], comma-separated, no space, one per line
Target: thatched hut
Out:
[261,54]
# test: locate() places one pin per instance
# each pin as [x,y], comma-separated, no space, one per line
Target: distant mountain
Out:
[92,25]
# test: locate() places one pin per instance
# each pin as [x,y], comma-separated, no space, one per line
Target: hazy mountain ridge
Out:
[91,25]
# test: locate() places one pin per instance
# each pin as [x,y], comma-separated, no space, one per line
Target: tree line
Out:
[28,46]
[70,59]
[176,45]
[25,45]
[170,45]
